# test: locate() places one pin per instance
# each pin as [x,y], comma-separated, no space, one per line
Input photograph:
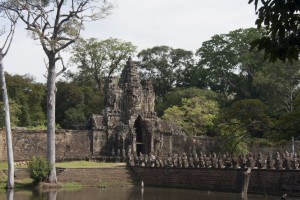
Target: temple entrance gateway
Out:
[140,136]
[129,124]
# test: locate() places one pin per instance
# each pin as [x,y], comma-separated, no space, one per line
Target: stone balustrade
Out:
[203,160]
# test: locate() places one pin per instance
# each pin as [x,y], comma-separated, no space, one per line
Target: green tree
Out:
[281,20]
[195,116]
[39,169]
[15,113]
[56,24]
[75,117]
[288,124]
[234,137]
[29,95]
[69,95]
[277,85]
[77,104]
[252,114]
[164,66]
[98,59]
[175,97]
[228,64]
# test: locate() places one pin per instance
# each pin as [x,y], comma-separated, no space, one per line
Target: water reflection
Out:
[142,193]
[52,195]
[10,194]
[131,193]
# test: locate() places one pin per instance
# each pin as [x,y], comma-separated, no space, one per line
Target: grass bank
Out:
[71,164]
[26,183]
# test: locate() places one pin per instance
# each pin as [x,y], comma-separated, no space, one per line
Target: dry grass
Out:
[73,164]
[88,164]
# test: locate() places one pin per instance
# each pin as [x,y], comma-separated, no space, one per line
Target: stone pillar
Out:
[123,143]
[134,144]
[170,144]
[162,143]
[123,147]
[152,144]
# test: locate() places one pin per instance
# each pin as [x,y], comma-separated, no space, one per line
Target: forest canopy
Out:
[222,88]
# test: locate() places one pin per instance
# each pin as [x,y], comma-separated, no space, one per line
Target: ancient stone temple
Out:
[129,123]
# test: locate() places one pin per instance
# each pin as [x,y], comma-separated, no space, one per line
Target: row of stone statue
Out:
[284,161]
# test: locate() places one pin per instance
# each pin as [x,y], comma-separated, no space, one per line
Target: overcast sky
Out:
[146,23]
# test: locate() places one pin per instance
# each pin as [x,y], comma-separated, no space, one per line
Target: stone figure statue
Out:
[270,162]
[221,161]
[243,161]
[185,163]
[278,161]
[214,160]
[196,160]
[191,161]
[260,161]
[250,161]
[202,162]
[235,162]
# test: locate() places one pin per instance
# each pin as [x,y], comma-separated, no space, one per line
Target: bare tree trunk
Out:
[246,184]
[10,157]
[51,91]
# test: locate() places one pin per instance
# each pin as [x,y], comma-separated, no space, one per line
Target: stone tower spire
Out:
[132,90]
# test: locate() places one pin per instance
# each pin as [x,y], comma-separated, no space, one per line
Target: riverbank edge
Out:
[123,176]
[120,176]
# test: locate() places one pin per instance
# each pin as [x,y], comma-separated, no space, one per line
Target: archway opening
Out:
[140,136]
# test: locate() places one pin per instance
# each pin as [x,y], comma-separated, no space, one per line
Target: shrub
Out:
[39,169]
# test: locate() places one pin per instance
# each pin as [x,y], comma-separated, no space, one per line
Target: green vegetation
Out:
[165,66]
[39,168]
[72,186]
[281,19]
[73,164]
[195,116]
[28,97]
[19,184]
[31,183]
[87,164]
[223,89]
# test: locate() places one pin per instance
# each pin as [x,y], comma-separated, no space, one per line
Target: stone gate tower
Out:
[129,123]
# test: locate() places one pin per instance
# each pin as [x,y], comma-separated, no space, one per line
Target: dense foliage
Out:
[26,101]
[281,20]
[222,89]
[195,116]
[39,169]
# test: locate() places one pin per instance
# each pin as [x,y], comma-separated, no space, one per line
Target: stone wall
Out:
[70,145]
[84,144]
[227,180]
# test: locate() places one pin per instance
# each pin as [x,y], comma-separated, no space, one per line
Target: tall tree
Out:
[289,123]
[78,102]
[56,24]
[14,112]
[164,66]
[195,115]
[28,94]
[281,19]
[229,64]
[252,115]
[175,97]
[3,52]
[277,85]
[98,59]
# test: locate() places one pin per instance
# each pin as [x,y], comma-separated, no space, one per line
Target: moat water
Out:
[129,193]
